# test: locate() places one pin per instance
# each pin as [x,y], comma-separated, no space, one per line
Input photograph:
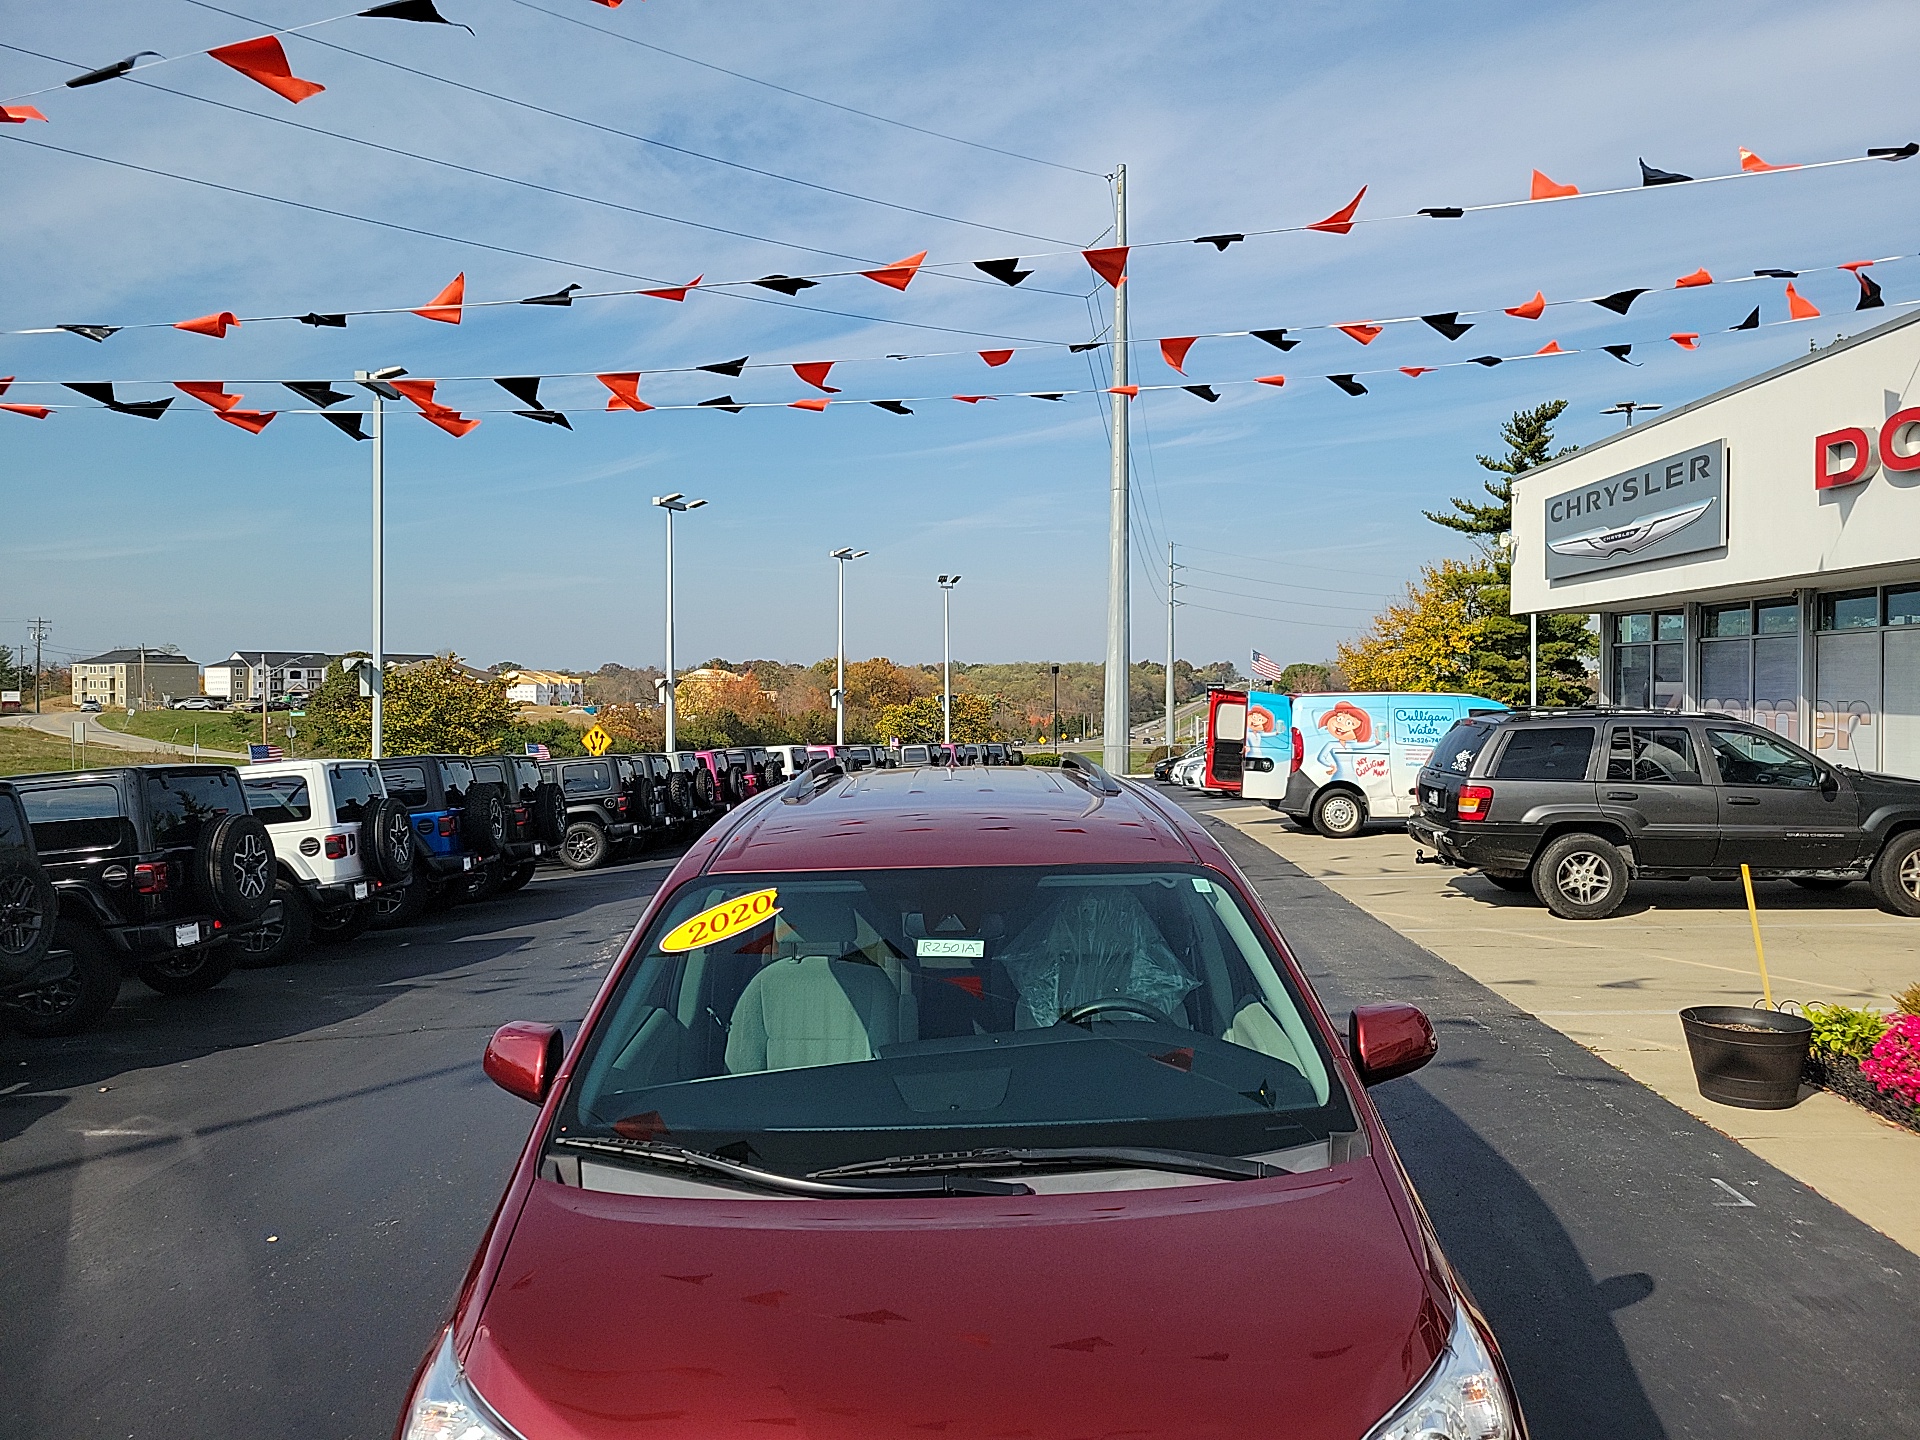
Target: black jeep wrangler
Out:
[536,817]
[157,867]
[1575,804]
[599,805]
[459,830]
[29,905]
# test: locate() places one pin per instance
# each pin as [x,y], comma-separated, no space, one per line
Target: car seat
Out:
[808,1005]
[1095,944]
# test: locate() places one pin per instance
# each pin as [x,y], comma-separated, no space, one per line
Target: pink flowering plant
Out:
[1894,1063]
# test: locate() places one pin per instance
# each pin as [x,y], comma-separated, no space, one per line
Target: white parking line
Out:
[1737,1200]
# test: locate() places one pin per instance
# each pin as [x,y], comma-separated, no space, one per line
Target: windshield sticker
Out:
[730,917]
[964,949]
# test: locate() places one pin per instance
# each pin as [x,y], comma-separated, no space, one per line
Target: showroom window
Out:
[1866,690]
[1649,660]
[1750,663]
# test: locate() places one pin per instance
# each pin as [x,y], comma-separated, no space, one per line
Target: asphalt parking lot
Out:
[244,1213]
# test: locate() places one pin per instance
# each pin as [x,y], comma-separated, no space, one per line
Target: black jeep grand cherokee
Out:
[157,866]
[1573,804]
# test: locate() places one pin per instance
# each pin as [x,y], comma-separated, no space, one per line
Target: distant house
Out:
[136,676]
[246,674]
[544,687]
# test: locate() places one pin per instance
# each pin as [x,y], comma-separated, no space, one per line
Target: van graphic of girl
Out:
[1349,728]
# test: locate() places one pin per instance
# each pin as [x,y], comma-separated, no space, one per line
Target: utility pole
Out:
[1171,567]
[1056,709]
[375,383]
[843,555]
[143,677]
[1118,679]
[37,632]
[1533,661]
[947,582]
[674,504]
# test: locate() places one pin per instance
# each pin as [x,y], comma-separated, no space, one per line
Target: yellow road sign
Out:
[597,741]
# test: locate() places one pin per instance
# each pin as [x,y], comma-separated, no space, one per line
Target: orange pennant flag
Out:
[1269,379]
[264,61]
[1416,371]
[1698,277]
[820,404]
[215,325]
[1754,165]
[675,292]
[898,275]
[19,115]
[1109,264]
[1545,189]
[972,399]
[1341,221]
[1532,310]
[1856,266]
[1363,333]
[420,392]
[1686,339]
[1174,351]
[996,357]
[1130,391]
[1798,306]
[626,392]
[445,307]
[212,392]
[1552,347]
[451,421]
[815,374]
[254,421]
[38,412]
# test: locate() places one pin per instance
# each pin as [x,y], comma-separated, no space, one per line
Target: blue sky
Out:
[526,542]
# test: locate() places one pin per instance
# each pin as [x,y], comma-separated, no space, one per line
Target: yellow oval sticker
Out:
[730,917]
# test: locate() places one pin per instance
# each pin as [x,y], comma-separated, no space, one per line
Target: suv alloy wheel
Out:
[235,869]
[585,847]
[282,935]
[1580,877]
[76,1001]
[1895,876]
[28,906]
[188,972]
[391,849]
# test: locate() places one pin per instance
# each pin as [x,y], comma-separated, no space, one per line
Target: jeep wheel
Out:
[188,972]
[1580,877]
[386,836]
[1516,881]
[549,814]
[399,904]
[29,905]
[1895,876]
[78,1000]
[679,796]
[703,796]
[585,847]
[233,868]
[1339,814]
[483,822]
[344,923]
[517,877]
[482,884]
[281,936]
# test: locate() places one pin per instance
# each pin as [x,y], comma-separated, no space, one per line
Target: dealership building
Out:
[1756,552]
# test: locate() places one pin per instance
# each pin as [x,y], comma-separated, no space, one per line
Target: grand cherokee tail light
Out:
[336,847]
[446,825]
[1474,802]
[150,879]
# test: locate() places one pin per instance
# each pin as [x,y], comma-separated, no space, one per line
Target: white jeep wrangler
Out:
[337,840]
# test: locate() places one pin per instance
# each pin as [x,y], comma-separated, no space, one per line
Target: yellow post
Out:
[1759,951]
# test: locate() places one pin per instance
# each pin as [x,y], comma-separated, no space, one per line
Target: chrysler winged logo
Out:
[1630,539]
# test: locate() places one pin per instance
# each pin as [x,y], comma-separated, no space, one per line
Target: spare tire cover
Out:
[703,787]
[679,783]
[483,823]
[549,813]
[386,840]
[233,867]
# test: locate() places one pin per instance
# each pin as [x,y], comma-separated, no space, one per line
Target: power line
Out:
[803,95]
[1271,600]
[1290,562]
[1281,584]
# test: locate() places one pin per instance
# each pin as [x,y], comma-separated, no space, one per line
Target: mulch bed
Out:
[1842,1076]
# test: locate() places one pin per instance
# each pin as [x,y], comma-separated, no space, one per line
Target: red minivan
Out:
[978,1104]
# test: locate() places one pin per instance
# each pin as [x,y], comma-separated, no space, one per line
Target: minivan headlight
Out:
[446,1407]
[1462,1398]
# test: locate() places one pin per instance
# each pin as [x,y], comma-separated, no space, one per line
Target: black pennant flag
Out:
[1007,272]
[102,390]
[1752,322]
[1778,274]
[315,392]
[726,367]
[724,402]
[1082,349]
[1620,301]
[524,388]
[1205,392]
[1448,323]
[332,322]
[1651,176]
[1487,360]
[347,422]
[785,284]
[1869,292]
[547,417]
[892,405]
[1444,212]
[1276,338]
[1046,395]
[419,11]
[95,333]
[1348,384]
[558,297]
[110,72]
[1894,152]
[1620,353]
[1219,242]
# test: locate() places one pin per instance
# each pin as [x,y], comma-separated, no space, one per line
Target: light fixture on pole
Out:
[672,504]
[947,582]
[843,555]
[376,382]
[1627,407]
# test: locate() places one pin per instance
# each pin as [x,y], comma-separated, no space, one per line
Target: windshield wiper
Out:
[678,1157]
[1116,1157]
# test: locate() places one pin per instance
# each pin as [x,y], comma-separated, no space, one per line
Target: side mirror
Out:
[1389,1041]
[522,1058]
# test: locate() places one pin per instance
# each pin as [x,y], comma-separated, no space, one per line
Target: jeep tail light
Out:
[446,825]
[336,847]
[1475,801]
[620,804]
[149,879]
[520,813]
[1299,752]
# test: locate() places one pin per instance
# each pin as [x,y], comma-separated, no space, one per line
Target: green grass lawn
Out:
[214,729]
[25,752]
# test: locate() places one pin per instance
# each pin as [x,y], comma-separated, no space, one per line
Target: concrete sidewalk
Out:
[1615,986]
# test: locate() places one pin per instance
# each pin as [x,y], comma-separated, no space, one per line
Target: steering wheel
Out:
[1119,1004]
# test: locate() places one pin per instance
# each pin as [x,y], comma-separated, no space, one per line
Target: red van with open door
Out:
[1226,740]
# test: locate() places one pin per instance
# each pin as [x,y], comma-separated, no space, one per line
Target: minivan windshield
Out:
[811,1020]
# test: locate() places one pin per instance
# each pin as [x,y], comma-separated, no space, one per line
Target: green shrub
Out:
[1907,1002]
[1843,1031]
[1042,757]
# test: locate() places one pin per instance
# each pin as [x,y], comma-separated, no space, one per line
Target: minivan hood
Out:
[1248,1309]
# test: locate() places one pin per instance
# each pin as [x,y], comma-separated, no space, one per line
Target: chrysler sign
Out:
[1675,506]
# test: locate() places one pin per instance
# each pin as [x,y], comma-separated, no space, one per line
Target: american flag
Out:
[257,753]
[538,752]
[1265,669]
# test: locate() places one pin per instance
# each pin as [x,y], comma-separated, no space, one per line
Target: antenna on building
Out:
[1627,407]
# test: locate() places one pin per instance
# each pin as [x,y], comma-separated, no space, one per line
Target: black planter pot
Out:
[1755,1069]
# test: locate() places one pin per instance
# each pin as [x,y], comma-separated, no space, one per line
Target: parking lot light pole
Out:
[376,382]
[843,555]
[1056,709]
[673,503]
[947,582]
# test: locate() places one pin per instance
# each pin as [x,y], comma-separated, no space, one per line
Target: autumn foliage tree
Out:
[434,707]
[919,722]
